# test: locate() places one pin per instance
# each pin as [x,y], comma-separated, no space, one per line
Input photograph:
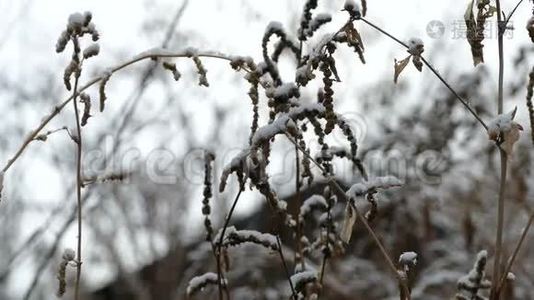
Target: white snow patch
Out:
[303,278]
[199,282]
[313,201]
[408,258]
[91,50]
[362,188]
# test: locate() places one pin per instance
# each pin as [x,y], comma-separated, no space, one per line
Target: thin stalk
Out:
[220,278]
[284,264]
[221,237]
[494,295]
[512,13]
[327,251]
[516,251]
[78,142]
[434,71]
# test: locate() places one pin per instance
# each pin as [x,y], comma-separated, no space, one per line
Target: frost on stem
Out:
[469,285]
[234,237]
[91,50]
[360,189]
[198,283]
[111,177]
[280,125]
[504,131]
[300,280]
[67,257]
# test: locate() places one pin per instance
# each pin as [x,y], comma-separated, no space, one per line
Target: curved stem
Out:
[78,142]
[512,13]
[516,251]
[433,70]
[221,238]
[286,270]
[58,108]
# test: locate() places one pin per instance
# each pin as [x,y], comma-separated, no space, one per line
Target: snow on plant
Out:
[503,130]
[415,49]
[369,188]
[301,279]
[67,258]
[198,283]
[473,283]
[290,116]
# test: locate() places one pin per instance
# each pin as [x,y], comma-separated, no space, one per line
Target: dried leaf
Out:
[348,223]
[475,28]
[353,35]
[399,67]
[510,138]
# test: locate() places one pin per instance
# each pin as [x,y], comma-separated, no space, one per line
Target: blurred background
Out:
[143,236]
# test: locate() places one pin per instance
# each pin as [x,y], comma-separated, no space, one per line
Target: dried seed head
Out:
[172,68]
[86,100]
[62,41]
[91,51]
[306,17]
[71,68]
[102,88]
[209,157]
[202,80]
[68,256]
